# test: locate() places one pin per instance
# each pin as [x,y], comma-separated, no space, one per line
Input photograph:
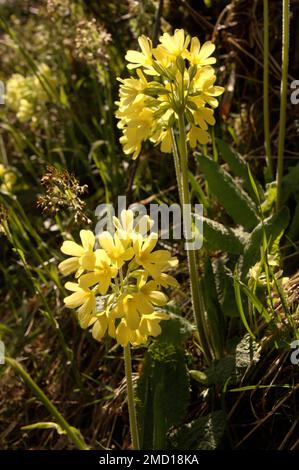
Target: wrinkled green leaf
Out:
[219,237]
[204,433]
[232,197]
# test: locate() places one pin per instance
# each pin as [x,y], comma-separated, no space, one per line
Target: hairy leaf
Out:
[204,433]
[233,198]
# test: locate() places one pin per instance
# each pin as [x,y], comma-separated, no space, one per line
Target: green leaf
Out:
[233,198]
[219,237]
[44,425]
[273,227]
[213,310]
[198,191]
[225,287]
[289,184]
[239,303]
[255,301]
[293,232]
[232,366]
[233,158]
[204,433]
[164,371]
[238,166]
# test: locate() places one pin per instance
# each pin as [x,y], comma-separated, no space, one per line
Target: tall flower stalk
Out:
[171,102]
[283,96]
[131,402]
[266,93]
[183,182]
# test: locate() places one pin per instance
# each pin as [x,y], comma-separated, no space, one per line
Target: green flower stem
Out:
[177,165]
[191,254]
[266,92]
[131,402]
[72,432]
[283,97]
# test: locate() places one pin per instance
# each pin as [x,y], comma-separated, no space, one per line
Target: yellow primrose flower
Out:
[184,84]
[155,263]
[127,228]
[205,81]
[137,339]
[144,58]
[115,248]
[201,55]
[117,297]
[102,273]
[83,298]
[163,137]
[197,135]
[138,129]
[103,322]
[176,45]
[132,89]
[132,307]
[165,280]
[101,325]
[82,257]
[151,296]
[204,116]
[150,324]
[123,333]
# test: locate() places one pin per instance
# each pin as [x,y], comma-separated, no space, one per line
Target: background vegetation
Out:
[61,157]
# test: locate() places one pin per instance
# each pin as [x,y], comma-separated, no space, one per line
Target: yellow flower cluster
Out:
[7,179]
[174,78]
[118,288]
[27,95]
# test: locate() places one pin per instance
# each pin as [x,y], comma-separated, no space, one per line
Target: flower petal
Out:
[99,328]
[69,266]
[71,248]
[87,239]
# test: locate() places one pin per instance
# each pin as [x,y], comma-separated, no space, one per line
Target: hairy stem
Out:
[177,165]
[131,402]
[283,97]
[191,254]
[266,92]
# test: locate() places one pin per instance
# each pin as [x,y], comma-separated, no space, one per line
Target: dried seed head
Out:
[91,42]
[63,191]
[3,219]
[58,8]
